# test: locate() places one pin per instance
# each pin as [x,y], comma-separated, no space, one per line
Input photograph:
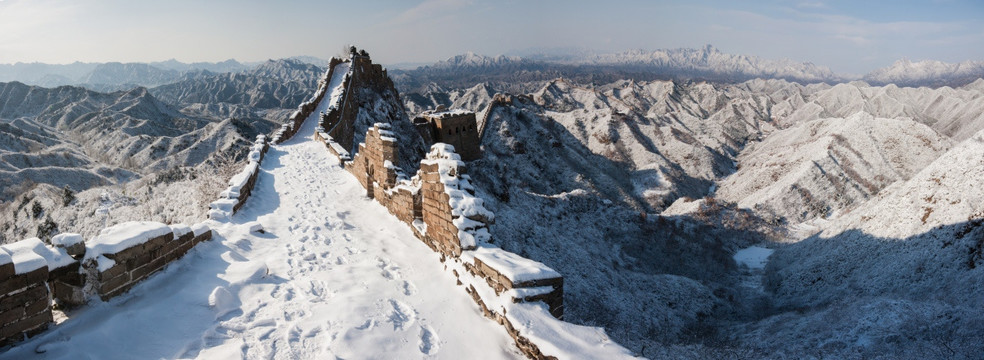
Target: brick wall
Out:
[374,165]
[25,308]
[436,212]
[241,185]
[305,109]
[128,266]
[34,276]
[425,203]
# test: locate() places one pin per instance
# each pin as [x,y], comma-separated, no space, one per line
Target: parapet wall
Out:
[123,255]
[34,276]
[305,109]
[241,185]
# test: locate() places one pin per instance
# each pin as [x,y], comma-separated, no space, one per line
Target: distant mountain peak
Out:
[905,72]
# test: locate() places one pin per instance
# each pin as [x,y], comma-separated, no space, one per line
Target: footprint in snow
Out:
[409,288]
[429,343]
[389,270]
[402,316]
[368,325]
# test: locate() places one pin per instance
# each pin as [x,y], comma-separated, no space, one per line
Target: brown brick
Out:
[112,272]
[7,271]
[39,305]
[157,242]
[107,286]
[26,324]
[68,274]
[138,261]
[68,294]
[11,315]
[157,263]
[169,247]
[22,298]
[118,291]
[142,272]
[205,236]
[21,281]
[127,254]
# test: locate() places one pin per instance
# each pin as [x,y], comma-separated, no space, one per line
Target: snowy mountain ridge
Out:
[905,72]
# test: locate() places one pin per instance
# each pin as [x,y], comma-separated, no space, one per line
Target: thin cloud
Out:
[429,10]
[812,5]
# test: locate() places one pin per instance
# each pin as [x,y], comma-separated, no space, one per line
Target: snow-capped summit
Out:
[473,60]
[905,72]
[712,61]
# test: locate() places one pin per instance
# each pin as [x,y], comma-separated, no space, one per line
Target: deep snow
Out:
[332,275]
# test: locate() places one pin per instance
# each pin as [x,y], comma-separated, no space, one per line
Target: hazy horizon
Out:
[848,37]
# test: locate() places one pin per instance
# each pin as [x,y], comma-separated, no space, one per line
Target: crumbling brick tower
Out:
[454,127]
[375,163]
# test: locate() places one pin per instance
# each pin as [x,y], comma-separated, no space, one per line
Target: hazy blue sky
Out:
[853,36]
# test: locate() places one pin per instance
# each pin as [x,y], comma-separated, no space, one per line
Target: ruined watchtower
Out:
[455,127]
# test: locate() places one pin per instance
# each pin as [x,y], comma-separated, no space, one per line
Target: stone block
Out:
[29,325]
[157,242]
[67,274]
[7,271]
[37,306]
[138,261]
[127,254]
[11,315]
[21,281]
[20,299]
[203,237]
[142,272]
[106,287]
[115,271]
[185,238]
[68,294]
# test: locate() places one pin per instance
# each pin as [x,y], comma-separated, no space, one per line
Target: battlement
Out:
[456,127]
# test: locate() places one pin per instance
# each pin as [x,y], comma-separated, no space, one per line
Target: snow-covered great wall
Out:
[312,250]
[439,206]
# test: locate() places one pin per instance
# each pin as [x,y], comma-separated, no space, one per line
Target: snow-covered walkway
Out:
[333,276]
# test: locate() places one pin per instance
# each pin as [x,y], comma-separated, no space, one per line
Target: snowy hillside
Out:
[822,167]
[905,265]
[272,84]
[68,154]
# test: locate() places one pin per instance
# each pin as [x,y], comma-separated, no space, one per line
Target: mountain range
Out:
[639,175]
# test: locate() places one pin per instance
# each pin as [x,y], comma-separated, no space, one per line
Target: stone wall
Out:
[440,207]
[374,163]
[34,276]
[497,100]
[289,128]
[123,255]
[440,233]
[25,308]
[241,185]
